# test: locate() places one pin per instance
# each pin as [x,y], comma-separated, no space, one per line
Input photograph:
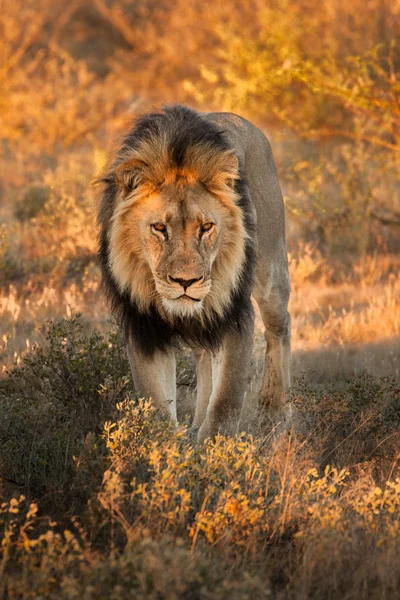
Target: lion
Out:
[192,225]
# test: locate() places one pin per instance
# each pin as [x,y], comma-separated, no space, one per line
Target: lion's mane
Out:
[177,139]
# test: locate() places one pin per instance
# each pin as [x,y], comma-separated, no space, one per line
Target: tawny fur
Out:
[149,166]
[170,279]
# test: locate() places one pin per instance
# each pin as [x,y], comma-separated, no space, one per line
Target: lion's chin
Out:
[184,306]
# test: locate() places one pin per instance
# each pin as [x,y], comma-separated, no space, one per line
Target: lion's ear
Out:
[232,170]
[129,175]
[225,171]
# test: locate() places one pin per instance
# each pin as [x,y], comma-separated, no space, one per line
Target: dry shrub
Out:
[341,182]
[50,564]
[53,411]
[237,517]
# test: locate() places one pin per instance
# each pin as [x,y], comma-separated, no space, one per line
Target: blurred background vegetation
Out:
[320,77]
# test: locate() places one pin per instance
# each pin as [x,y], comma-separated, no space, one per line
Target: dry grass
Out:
[347,311]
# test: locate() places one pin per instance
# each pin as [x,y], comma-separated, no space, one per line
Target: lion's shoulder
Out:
[242,135]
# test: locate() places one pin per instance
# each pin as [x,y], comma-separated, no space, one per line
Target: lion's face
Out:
[181,235]
[179,230]
[177,239]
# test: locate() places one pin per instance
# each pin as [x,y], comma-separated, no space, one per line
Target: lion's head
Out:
[173,229]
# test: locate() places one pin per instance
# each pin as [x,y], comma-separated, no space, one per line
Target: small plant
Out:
[54,405]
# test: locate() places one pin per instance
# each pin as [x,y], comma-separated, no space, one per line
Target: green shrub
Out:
[53,408]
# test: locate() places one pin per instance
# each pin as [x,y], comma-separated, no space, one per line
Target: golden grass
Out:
[346,314]
[23,311]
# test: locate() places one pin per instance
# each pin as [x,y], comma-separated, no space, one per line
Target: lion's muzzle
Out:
[183,296]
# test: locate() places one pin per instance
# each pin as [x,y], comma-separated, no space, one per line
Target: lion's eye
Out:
[206,227]
[160,227]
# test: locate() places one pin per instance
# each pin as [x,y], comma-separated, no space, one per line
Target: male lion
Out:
[191,224]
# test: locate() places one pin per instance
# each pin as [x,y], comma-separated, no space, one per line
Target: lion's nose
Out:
[185,283]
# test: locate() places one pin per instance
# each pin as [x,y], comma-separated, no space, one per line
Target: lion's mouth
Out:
[186,297]
[182,306]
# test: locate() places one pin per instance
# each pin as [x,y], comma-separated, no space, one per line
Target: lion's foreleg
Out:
[155,377]
[204,385]
[231,371]
[272,299]
[276,378]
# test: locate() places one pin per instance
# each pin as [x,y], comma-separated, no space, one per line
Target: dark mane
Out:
[183,128]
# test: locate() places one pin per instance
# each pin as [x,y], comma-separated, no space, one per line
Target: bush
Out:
[53,409]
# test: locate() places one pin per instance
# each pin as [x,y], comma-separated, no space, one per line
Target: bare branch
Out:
[324,132]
